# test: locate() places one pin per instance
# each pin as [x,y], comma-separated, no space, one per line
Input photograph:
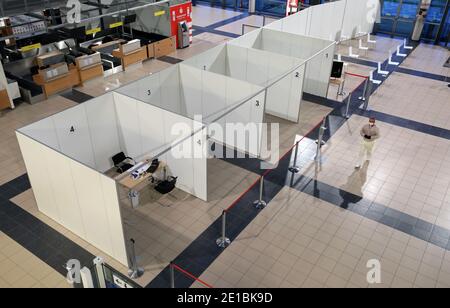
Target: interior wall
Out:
[214,95]
[147,130]
[87,133]
[75,196]
[331,20]
[303,47]
[257,67]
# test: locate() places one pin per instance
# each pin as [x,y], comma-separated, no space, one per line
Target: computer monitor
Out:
[336,71]
[129,19]
[78,33]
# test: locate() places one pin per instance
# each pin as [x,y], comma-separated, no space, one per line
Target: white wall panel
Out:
[213,95]
[130,134]
[200,165]
[235,92]
[149,90]
[114,217]
[104,130]
[218,64]
[33,153]
[257,67]
[191,89]
[62,186]
[89,191]
[278,96]
[249,40]
[237,59]
[170,90]
[43,131]
[77,143]
[296,94]
[151,127]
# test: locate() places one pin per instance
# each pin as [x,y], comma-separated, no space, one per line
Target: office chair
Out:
[121,162]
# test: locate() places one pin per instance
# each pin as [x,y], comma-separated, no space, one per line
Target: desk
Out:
[131,184]
[60,83]
[132,57]
[4,99]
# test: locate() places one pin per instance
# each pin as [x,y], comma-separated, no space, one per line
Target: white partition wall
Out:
[76,196]
[261,68]
[318,54]
[197,94]
[67,154]
[216,98]
[146,131]
[87,133]
[360,17]
[326,20]
[349,18]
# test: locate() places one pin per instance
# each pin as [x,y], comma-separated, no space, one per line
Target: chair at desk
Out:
[122,162]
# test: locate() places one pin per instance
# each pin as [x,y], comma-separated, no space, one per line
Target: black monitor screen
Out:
[129,19]
[336,71]
[78,33]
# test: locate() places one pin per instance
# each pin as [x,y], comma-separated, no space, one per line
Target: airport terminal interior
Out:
[343,183]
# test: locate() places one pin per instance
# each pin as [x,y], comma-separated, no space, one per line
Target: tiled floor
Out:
[205,16]
[164,226]
[415,98]
[409,171]
[253,20]
[299,240]
[378,52]
[420,60]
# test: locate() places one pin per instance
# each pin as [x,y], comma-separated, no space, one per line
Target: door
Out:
[398,17]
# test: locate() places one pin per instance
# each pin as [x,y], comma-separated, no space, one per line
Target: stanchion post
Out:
[341,87]
[295,168]
[135,271]
[172,275]
[320,141]
[368,93]
[223,241]
[260,204]
[98,262]
[363,97]
[347,107]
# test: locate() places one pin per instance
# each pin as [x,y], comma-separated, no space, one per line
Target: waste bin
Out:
[134,197]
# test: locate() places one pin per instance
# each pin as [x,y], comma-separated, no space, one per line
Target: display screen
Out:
[336,71]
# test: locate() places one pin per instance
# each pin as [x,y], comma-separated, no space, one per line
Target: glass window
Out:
[273,7]
[436,11]
[409,9]
[390,8]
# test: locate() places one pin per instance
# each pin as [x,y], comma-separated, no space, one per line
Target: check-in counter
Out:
[131,53]
[57,78]
[89,67]
[4,99]
[50,58]
[162,47]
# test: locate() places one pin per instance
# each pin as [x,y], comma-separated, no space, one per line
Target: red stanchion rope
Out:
[269,170]
[190,275]
[356,75]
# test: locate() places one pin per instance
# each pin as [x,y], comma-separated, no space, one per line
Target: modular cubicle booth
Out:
[68,155]
[68,159]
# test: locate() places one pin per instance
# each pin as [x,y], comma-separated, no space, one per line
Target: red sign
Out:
[178,13]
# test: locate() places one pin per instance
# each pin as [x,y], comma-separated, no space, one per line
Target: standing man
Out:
[370,133]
